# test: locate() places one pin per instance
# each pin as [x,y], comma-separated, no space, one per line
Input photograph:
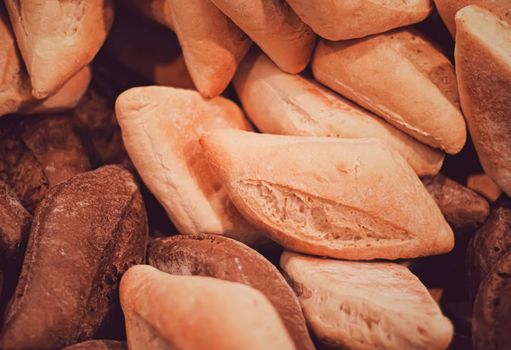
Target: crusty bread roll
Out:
[484,185]
[226,259]
[277,30]
[366,305]
[403,78]
[448,8]
[341,19]
[169,312]
[483,67]
[148,49]
[282,103]
[156,10]
[350,199]
[57,39]
[161,127]
[212,45]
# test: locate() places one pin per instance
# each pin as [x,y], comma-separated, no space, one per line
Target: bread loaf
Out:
[212,45]
[42,28]
[86,232]
[448,8]
[281,103]
[168,312]
[366,305]
[227,259]
[349,199]
[483,67]
[341,19]
[426,106]
[277,30]
[161,127]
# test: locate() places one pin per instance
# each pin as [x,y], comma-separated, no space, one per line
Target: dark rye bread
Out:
[463,209]
[14,223]
[491,320]
[86,232]
[37,154]
[226,259]
[490,243]
[98,345]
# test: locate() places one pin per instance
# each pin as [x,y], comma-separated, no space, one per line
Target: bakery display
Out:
[255,174]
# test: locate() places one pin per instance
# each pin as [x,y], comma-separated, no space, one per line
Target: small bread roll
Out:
[212,45]
[281,103]
[277,30]
[156,10]
[169,312]
[161,127]
[483,67]
[484,185]
[341,19]
[57,39]
[448,8]
[366,305]
[400,76]
[349,199]
[148,49]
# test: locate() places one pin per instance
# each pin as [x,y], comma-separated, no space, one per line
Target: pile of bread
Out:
[347,111]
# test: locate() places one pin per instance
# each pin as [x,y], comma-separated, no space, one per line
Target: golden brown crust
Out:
[341,19]
[351,199]
[483,67]
[426,107]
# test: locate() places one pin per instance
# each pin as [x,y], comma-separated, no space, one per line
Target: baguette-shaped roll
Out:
[15,88]
[148,49]
[282,103]
[483,67]
[161,127]
[350,199]
[212,44]
[341,19]
[448,8]
[57,39]
[366,305]
[277,30]
[403,78]
[156,10]
[169,312]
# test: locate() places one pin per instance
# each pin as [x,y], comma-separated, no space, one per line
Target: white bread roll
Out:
[349,19]
[350,199]
[281,103]
[277,30]
[400,76]
[366,305]
[168,312]
[212,45]
[57,39]
[161,127]
[483,67]
[448,8]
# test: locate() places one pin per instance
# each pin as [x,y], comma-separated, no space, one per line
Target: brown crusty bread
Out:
[212,44]
[447,10]
[169,312]
[368,71]
[340,19]
[42,28]
[15,88]
[282,103]
[277,30]
[161,127]
[366,305]
[226,259]
[86,232]
[352,199]
[484,185]
[148,49]
[156,10]
[483,67]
